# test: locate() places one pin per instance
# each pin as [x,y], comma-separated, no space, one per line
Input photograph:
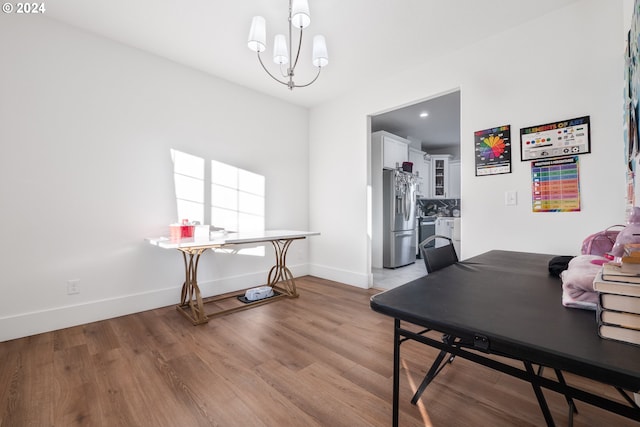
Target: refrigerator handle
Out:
[408,201]
[407,206]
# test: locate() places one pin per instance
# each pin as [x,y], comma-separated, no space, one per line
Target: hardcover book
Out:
[631,264]
[613,272]
[620,303]
[615,287]
[617,333]
[618,318]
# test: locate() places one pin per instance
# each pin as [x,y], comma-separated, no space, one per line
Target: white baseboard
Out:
[36,322]
[343,276]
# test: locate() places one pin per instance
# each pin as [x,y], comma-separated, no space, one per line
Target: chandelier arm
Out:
[268,72]
[282,73]
[311,82]
[299,48]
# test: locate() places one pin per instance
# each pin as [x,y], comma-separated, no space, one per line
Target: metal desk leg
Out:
[191,304]
[396,371]
[569,399]
[533,379]
[435,369]
[279,273]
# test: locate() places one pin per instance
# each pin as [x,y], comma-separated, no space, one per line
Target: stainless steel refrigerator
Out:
[399,218]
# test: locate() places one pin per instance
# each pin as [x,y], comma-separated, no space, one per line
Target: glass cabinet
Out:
[440,176]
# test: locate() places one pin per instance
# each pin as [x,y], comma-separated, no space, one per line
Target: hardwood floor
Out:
[324,359]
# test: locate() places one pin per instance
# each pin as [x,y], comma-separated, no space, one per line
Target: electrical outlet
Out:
[73,287]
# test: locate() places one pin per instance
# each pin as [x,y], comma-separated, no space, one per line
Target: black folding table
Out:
[507,304]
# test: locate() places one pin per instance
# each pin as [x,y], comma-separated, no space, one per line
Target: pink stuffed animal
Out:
[630,234]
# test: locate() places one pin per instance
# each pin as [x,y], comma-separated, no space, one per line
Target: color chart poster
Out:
[558,139]
[493,151]
[555,185]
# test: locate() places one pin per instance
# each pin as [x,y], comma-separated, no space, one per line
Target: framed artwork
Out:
[493,151]
[564,138]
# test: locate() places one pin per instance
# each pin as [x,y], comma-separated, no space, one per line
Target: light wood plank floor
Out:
[324,359]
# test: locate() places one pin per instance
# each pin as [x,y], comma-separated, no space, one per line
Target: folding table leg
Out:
[570,402]
[433,371]
[629,400]
[533,379]
[572,405]
[396,370]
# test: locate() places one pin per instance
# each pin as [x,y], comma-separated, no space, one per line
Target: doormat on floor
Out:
[244,299]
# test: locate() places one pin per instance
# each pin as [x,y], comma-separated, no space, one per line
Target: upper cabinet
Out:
[440,176]
[395,149]
[422,168]
[445,176]
[454,179]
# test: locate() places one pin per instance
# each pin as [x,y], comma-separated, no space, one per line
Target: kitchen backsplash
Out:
[439,207]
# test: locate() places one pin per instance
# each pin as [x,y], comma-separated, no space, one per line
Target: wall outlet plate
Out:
[73,286]
[511,198]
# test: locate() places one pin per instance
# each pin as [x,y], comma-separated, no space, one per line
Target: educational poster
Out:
[493,151]
[556,185]
[556,139]
[632,111]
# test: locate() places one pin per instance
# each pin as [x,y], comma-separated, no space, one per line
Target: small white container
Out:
[255,294]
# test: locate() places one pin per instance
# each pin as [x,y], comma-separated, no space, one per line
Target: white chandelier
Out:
[298,17]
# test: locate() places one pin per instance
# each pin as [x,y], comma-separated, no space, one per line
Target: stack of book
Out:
[618,311]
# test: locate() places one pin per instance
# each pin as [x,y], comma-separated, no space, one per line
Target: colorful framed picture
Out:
[493,151]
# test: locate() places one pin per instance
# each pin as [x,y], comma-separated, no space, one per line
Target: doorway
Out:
[431,129]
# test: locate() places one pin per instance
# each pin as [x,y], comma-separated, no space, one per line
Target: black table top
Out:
[510,298]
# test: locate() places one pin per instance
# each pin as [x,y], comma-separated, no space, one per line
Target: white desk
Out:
[279,277]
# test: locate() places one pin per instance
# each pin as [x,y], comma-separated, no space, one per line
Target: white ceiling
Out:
[367,39]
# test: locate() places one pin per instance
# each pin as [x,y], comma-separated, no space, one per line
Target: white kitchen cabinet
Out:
[421,169]
[440,176]
[395,149]
[448,227]
[425,171]
[394,153]
[444,227]
[415,157]
[454,179]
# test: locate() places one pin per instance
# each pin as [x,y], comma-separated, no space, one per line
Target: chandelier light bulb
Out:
[300,17]
[258,34]
[280,54]
[320,56]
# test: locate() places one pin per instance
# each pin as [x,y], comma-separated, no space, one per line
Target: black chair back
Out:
[437,258]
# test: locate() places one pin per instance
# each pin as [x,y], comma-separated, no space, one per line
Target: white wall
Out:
[563,65]
[86,125]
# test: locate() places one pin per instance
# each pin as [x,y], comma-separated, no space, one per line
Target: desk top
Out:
[510,298]
[230,239]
